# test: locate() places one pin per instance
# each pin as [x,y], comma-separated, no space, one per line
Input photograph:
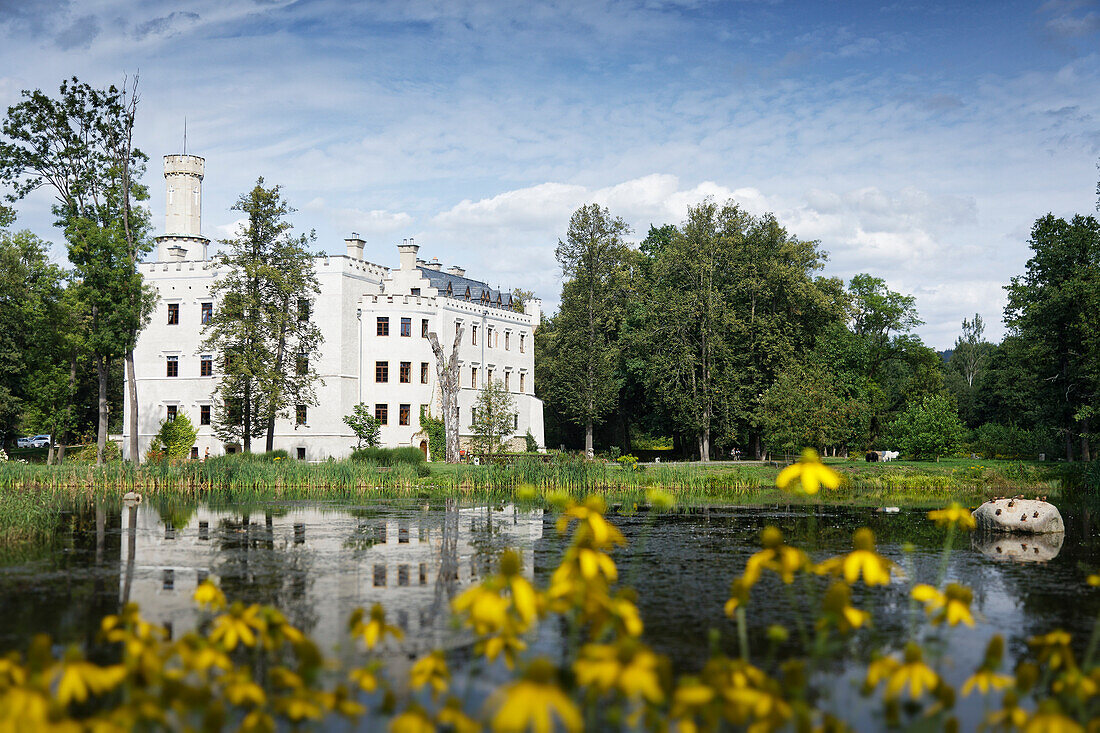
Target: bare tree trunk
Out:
[279,357]
[704,445]
[102,367]
[449,384]
[589,448]
[132,414]
[50,453]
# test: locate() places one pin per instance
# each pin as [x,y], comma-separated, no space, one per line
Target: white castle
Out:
[374,321]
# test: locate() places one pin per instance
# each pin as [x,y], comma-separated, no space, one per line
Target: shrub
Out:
[389,456]
[111,452]
[532,444]
[175,438]
[928,428]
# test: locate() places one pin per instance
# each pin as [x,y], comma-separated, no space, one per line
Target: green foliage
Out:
[87,453]
[389,456]
[592,256]
[175,437]
[262,330]
[494,417]
[532,444]
[437,436]
[1053,312]
[929,427]
[367,428]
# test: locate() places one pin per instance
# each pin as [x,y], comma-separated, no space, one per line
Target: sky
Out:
[916,141]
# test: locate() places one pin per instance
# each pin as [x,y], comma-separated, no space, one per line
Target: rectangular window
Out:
[473,335]
[406,327]
[489,338]
[423,372]
[383,326]
[173,314]
[380,576]
[171,414]
[173,369]
[301,453]
[299,414]
[207,313]
[302,363]
[423,411]
[515,421]
[489,378]
[303,309]
[403,414]
[194,453]
[416,291]
[522,339]
[381,371]
[473,377]
[423,573]
[206,366]
[204,414]
[522,380]
[382,414]
[507,340]
[405,373]
[423,328]
[402,575]
[507,377]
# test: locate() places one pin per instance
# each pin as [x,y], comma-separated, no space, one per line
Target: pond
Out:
[317,562]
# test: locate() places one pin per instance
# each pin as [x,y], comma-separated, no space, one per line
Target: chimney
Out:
[355,246]
[408,252]
[456,271]
[434,265]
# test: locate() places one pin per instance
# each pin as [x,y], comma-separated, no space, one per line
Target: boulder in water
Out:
[1019,516]
[1037,548]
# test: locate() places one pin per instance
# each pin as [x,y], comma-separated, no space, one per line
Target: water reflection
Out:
[318,564]
[1020,548]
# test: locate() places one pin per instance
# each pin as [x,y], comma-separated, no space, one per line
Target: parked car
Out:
[34,441]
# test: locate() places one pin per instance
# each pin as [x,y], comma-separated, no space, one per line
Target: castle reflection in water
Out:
[318,565]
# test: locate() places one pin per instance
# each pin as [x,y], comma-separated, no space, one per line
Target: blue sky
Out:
[916,141]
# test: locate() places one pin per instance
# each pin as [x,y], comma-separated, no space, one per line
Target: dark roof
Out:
[458,287]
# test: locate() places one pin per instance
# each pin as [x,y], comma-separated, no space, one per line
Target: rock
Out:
[1023,516]
[1039,548]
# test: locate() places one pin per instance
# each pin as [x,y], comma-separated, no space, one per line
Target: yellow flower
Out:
[781,559]
[1049,719]
[954,515]
[452,715]
[1053,648]
[690,697]
[811,473]
[533,702]
[593,529]
[506,643]
[862,561]
[1094,580]
[524,598]
[985,680]
[430,670]
[486,610]
[881,668]
[77,678]
[239,625]
[952,606]
[209,596]
[413,720]
[838,610]
[241,690]
[365,679]
[1010,717]
[739,595]
[628,668]
[660,499]
[913,674]
[375,629]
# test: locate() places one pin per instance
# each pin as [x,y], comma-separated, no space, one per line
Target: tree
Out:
[878,312]
[262,330]
[591,258]
[928,428]
[494,417]
[446,371]
[175,437]
[80,145]
[1052,310]
[520,298]
[367,428]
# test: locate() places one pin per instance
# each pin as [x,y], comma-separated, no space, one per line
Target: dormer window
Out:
[467,292]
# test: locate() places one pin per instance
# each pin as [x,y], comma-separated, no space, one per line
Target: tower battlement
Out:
[182,236]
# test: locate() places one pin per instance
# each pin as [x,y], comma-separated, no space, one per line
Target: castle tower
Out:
[182,238]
